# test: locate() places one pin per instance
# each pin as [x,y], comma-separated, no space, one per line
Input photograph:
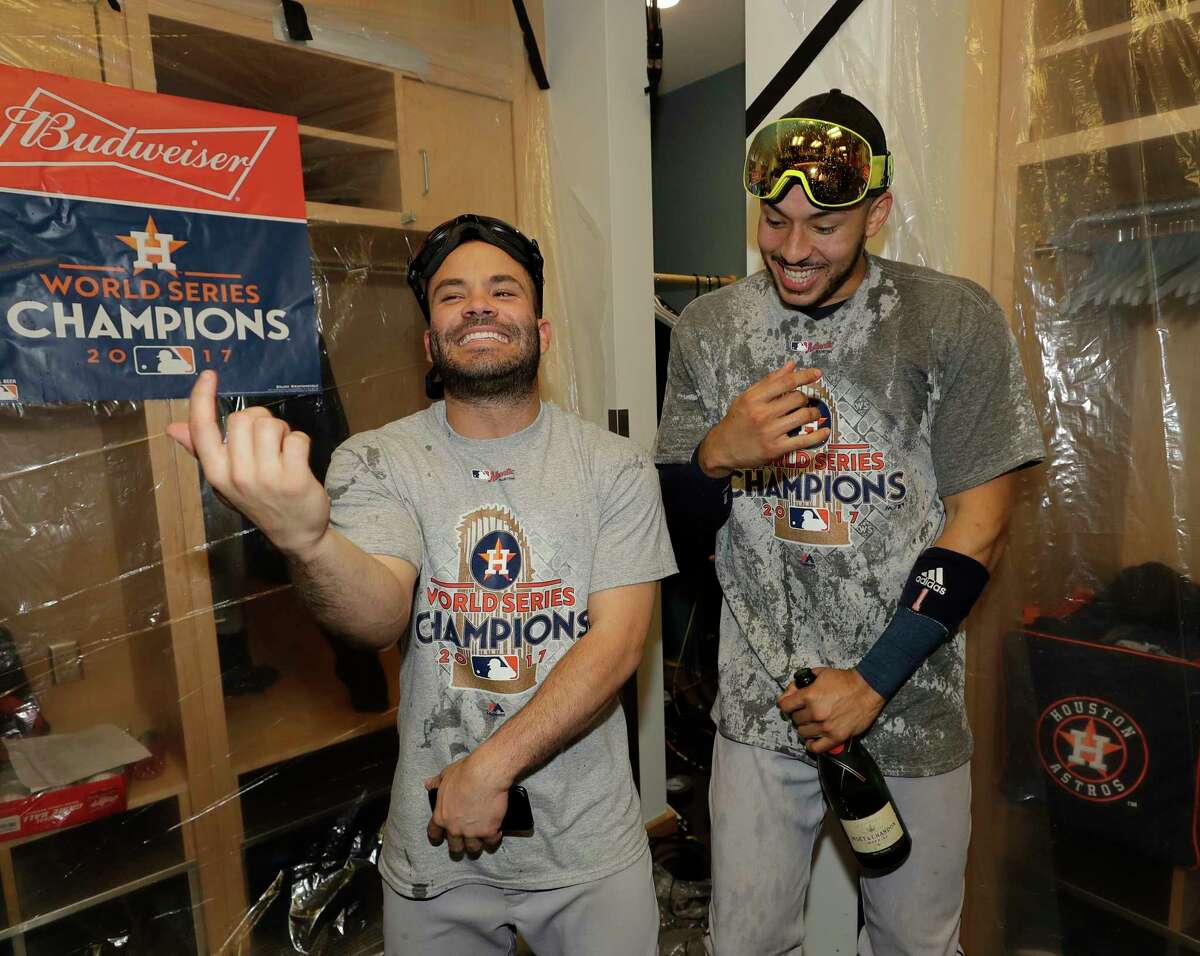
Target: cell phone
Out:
[518,818]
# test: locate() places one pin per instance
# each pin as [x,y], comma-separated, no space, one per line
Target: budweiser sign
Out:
[50,130]
[181,244]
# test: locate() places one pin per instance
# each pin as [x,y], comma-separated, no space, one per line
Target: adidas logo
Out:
[932,580]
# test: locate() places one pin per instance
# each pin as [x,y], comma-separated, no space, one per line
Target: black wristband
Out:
[941,590]
[944,585]
[719,485]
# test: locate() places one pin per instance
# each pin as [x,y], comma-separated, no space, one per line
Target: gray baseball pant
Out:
[616,915]
[767,811]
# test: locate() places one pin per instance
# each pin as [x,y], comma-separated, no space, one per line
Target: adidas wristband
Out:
[944,585]
[942,588]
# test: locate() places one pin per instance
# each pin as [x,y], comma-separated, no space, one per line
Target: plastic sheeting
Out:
[1051,151]
[253,826]
[1100,675]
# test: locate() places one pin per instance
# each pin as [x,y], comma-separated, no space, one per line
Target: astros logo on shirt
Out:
[492,549]
[492,622]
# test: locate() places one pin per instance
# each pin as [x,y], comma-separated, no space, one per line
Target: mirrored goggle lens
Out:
[835,161]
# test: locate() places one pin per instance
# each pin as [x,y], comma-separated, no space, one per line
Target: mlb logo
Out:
[808,519]
[495,666]
[9,392]
[164,359]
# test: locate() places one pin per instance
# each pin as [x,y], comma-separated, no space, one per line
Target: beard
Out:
[489,378]
[839,278]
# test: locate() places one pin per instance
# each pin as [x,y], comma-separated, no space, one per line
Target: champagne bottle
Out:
[857,793]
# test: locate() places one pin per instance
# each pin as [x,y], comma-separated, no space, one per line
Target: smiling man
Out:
[850,425]
[518,549]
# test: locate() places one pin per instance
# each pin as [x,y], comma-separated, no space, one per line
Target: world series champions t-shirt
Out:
[511,536]
[925,396]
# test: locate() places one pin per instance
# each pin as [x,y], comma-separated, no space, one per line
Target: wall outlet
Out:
[66,664]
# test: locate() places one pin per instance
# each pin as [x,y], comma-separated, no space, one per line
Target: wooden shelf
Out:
[290,719]
[1128,70]
[353,139]
[348,170]
[163,898]
[1106,137]
[283,798]
[356,216]
[244,68]
[170,783]
[1118,30]
[187,11]
[379,256]
[307,708]
[97,861]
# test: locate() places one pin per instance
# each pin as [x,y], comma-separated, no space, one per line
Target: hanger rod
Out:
[713,281]
[1111,217]
[1152,209]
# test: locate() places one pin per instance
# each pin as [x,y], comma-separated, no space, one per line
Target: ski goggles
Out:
[444,239]
[835,165]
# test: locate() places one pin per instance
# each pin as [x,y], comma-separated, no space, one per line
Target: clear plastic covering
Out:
[1050,150]
[1099,259]
[134,597]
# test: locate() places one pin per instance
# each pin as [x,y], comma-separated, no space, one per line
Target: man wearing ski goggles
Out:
[844,427]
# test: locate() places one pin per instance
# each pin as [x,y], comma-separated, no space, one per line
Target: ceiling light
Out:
[664,4]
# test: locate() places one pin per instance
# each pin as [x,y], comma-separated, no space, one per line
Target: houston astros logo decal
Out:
[1092,749]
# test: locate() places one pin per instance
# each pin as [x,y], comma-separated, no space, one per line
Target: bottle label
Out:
[875,833]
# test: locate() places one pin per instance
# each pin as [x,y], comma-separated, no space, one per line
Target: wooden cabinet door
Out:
[456,154]
[57,36]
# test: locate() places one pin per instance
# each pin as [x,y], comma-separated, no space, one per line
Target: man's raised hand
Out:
[261,469]
[755,429]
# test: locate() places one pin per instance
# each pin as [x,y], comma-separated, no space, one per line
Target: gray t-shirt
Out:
[511,536]
[926,397]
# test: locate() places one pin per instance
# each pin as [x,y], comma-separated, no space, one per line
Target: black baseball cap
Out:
[843,109]
[471,227]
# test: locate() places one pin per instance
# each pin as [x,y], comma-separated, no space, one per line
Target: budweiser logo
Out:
[49,130]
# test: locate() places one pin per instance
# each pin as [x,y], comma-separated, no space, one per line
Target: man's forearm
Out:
[695,506]
[350,592]
[942,587]
[574,693]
